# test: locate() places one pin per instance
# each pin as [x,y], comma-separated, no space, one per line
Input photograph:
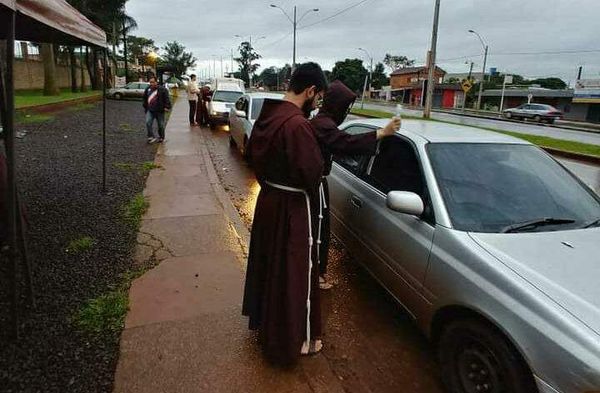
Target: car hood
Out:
[564,265]
[220,106]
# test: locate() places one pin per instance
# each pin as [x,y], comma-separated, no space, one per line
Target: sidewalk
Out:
[184,331]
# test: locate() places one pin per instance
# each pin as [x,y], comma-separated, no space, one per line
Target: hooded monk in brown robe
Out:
[281,294]
[336,106]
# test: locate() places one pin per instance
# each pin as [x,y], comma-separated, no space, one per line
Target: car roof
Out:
[275,96]
[441,132]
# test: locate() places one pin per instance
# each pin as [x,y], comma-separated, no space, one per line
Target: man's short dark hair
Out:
[152,77]
[307,75]
[192,76]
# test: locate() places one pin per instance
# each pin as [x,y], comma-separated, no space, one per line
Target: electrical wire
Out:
[340,12]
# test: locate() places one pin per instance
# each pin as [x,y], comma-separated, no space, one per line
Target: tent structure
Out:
[49,21]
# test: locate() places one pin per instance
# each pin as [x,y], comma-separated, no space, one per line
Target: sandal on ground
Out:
[313,348]
[324,284]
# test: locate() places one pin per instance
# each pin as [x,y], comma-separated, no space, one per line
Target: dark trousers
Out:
[325,233]
[202,113]
[193,108]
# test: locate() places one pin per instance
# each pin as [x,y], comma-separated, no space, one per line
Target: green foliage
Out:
[149,165]
[135,209]
[80,245]
[30,98]
[549,83]
[176,57]
[380,79]
[246,60]
[103,314]
[351,72]
[26,118]
[139,48]
[269,78]
[394,62]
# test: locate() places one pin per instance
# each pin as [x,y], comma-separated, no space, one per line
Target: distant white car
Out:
[243,115]
[223,99]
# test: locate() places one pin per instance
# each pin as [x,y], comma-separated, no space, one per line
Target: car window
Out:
[354,163]
[257,105]
[396,168]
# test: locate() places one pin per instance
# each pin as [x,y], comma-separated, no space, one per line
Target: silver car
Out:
[131,90]
[243,115]
[535,112]
[491,245]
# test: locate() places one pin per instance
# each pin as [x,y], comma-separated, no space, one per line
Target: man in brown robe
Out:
[336,106]
[204,98]
[281,294]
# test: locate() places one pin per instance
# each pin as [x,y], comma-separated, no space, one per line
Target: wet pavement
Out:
[371,345]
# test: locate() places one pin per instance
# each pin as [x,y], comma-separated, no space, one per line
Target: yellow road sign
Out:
[466,85]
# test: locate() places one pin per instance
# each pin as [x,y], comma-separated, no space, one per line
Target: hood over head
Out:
[337,101]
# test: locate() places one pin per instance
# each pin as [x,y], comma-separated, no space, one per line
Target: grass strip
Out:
[31,98]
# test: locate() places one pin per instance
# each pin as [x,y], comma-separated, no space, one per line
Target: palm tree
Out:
[50,87]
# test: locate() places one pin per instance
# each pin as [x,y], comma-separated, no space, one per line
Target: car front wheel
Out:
[476,358]
[537,118]
[118,96]
[508,115]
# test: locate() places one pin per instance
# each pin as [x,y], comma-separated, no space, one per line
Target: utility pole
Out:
[125,53]
[370,76]
[294,55]
[221,66]
[295,22]
[579,72]
[431,62]
[485,55]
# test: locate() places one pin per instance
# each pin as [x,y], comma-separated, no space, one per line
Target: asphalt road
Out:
[525,128]
[371,345]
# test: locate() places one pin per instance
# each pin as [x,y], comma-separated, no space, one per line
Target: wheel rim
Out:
[478,369]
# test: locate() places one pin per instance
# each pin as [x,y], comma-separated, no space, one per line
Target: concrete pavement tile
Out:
[175,161]
[194,235]
[164,183]
[185,287]
[172,205]
[211,353]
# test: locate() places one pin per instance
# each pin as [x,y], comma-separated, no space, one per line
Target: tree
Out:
[380,79]
[269,78]
[351,72]
[176,57]
[395,62]
[50,87]
[139,48]
[549,83]
[247,56]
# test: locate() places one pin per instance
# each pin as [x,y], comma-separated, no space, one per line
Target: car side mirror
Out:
[405,202]
[240,114]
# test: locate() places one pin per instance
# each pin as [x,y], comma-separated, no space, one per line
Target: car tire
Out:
[211,125]
[537,118]
[551,121]
[117,96]
[508,115]
[475,356]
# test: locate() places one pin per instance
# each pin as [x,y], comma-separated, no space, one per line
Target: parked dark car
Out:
[537,112]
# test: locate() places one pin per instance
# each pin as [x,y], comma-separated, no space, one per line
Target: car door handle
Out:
[356,201]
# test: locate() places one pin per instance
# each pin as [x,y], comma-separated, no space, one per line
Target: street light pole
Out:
[370,78]
[431,62]
[294,22]
[485,47]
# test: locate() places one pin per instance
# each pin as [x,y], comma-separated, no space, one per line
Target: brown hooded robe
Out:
[337,102]
[283,150]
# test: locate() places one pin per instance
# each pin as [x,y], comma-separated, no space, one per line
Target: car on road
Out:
[223,99]
[489,243]
[243,115]
[535,112]
[130,90]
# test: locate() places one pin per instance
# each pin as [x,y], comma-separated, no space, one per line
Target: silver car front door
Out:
[401,242]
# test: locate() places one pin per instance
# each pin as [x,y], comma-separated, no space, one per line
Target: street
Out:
[525,128]
[371,344]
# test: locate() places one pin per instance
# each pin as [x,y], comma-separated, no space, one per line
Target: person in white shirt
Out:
[192,92]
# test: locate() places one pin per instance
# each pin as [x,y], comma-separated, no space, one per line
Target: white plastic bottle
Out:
[399,111]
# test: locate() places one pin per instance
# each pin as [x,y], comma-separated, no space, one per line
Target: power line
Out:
[342,11]
[274,42]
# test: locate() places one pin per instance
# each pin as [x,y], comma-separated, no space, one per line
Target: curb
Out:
[594,160]
[56,106]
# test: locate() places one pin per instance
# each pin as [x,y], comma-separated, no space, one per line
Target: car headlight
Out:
[213,113]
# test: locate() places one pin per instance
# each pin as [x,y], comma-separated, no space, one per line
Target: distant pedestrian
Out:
[156,103]
[336,106]
[205,97]
[281,295]
[192,93]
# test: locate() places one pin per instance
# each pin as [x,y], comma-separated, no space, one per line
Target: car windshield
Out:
[490,187]
[226,96]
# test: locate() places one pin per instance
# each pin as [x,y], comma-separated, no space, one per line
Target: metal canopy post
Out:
[9,141]
[105,73]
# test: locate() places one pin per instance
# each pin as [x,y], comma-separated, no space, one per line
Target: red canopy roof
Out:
[53,21]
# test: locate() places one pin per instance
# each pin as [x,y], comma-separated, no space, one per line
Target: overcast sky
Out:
[402,27]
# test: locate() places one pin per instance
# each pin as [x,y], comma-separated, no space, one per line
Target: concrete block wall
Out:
[29,75]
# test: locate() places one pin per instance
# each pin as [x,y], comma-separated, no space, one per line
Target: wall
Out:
[29,75]
[404,80]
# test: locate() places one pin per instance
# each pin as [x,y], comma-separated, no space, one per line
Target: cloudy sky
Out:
[534,38]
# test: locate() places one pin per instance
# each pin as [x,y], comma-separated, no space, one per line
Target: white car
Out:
[221,103]
[243,115]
